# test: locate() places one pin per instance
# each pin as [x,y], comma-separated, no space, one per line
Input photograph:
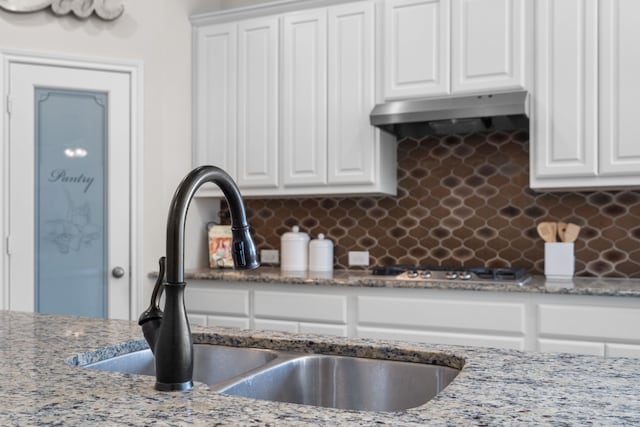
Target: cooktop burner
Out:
[518,276]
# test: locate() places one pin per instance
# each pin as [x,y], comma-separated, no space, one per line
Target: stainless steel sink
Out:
[345,383]
[211,363]
[311,379]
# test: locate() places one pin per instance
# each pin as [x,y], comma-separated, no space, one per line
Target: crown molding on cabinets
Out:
[271,8]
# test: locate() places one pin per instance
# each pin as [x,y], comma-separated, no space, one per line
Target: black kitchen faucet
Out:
[168,333]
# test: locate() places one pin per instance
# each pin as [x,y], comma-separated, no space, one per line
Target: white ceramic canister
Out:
[294,250]
[321,254]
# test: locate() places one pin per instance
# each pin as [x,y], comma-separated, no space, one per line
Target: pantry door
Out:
[69,190]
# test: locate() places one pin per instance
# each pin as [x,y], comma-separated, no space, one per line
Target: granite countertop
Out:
[495,387]
[538,284]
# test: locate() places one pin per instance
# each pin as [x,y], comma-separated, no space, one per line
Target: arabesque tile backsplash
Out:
[463,200]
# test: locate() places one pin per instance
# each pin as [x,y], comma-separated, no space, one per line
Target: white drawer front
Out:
[513,343]
[302,307]
[567,346]
[446,314]
[317,328]
[197,319]
[228,322]
[300,327]
[215,301]
[606,323]
[276,325]
[622,350]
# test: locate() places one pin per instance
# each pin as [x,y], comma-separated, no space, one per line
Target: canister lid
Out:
[295,234]
[321,241]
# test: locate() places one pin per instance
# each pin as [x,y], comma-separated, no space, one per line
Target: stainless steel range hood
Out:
[452,115]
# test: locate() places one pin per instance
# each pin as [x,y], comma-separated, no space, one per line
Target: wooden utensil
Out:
[570,232]
[562,226]
[547,230]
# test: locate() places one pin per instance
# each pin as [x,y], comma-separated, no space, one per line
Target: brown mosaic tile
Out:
[463,200]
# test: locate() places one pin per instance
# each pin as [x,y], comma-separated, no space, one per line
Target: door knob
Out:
[117,272]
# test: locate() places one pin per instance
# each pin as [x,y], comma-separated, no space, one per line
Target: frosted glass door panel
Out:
[70,202]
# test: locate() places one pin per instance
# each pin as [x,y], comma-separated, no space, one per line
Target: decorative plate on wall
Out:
[104,9]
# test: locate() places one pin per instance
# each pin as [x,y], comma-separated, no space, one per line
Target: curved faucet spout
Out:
[173,349]
[244,252]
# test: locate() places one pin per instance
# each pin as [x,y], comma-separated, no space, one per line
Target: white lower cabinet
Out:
[300,312]
[224,321]
[305,307]
[457,321]
[450,338]
[598,327]
[622,350]
[197,319]
[570,346]
[276,325]
[602,326]
[274,307]
[319,328]
[208,306]
[301,327]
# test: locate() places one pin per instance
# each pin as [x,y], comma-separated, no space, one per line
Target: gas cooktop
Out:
[516,276]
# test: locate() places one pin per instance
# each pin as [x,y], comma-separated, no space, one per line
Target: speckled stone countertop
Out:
[495,387]
[577,286]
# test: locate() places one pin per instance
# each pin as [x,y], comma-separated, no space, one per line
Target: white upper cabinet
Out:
[283,91]
[442,47]
[488,45]
[236,100]
[619,92]
[283,101]
[354,147]
[584,97]
[416,48]
[565,123]
[215,123]
[304,98]
[258,100]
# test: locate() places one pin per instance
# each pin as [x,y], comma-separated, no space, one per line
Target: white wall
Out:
[157,33]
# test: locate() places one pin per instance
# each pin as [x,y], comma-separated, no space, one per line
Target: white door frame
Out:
[135,70]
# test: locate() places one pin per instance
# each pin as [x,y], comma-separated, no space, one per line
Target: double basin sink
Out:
[313,379]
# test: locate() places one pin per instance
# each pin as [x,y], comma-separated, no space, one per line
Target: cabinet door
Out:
[304,98]
[447,338]
[488,49]
[619,88]
[442,320]
[257,148]
[589,322]
[570,346]
[622,350]
[416,48]
[565,122]
[352,140]
[215,99]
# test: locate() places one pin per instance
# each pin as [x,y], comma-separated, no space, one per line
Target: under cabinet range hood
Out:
[452,115]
